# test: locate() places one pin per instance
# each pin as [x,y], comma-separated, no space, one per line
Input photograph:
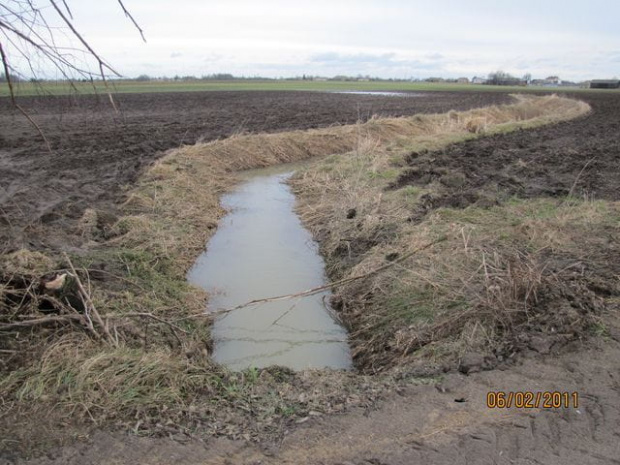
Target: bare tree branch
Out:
[100,61]
[27,36]
[14,102]
[67,8]
[132,20]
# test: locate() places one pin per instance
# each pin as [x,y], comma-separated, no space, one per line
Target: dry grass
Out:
[169,216]
[253,151]
[501,270]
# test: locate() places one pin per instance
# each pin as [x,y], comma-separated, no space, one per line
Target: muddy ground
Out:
[579,157]
[444,424]
[96,151]
[43,196]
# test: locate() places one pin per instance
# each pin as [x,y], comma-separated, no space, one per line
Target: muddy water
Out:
[261,250]
[379,93]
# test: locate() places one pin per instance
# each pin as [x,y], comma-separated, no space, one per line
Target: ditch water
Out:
[262,250]
[380,93]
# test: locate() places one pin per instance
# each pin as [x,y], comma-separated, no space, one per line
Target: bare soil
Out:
[444,424]
[96,151]
[580,157]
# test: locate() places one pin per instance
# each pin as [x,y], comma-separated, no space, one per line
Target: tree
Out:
[28,32]
[501,78]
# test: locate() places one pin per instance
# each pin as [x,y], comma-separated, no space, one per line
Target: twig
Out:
[42,321]
[572,189]
[67,8]
[283,315]
[91,271]
[172,326]
[340,282]
[146,335]
[132,20]
[88,303]
[102,64]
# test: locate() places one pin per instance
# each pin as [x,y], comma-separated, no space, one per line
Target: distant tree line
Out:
[304,77]
[208,77]
[14,78]
[501,78]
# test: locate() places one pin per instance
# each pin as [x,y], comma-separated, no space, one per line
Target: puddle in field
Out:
[380,93]
[261,250]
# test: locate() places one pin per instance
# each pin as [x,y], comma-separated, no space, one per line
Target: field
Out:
[526,220]
[120,86]
[97,152]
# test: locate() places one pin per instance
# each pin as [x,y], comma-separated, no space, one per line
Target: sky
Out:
[575,40]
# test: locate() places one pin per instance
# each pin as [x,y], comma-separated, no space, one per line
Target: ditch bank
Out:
[508,271]
[146,365]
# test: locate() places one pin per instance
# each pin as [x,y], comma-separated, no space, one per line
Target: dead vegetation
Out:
[489,288]
[116,338]
[512,274]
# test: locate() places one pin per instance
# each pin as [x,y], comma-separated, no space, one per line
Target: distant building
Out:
[478,80]
[605,84]
[463,80]
[552,81]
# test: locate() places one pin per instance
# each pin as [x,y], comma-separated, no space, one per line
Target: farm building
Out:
[605,84]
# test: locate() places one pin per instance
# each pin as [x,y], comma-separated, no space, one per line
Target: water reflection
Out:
[261,250]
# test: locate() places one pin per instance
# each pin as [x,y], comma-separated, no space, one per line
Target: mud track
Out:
[446,424]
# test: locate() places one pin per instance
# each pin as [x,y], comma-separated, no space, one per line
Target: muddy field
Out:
[579,157]
[96,151]
[97,154]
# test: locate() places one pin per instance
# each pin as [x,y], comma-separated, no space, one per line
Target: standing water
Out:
[261,250]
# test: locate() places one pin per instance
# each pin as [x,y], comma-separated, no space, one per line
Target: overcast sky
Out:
[576,40]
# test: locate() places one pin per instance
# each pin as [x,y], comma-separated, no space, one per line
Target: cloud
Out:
[349,59]
[150,65]
[434,56]
[377,64]
[214,57]
[613,56]
[176,55]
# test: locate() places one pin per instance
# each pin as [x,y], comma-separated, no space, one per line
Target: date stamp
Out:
[531,399]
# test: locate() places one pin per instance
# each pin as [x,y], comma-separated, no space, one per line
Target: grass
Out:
[494,275]
[124,86]
[159,370]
